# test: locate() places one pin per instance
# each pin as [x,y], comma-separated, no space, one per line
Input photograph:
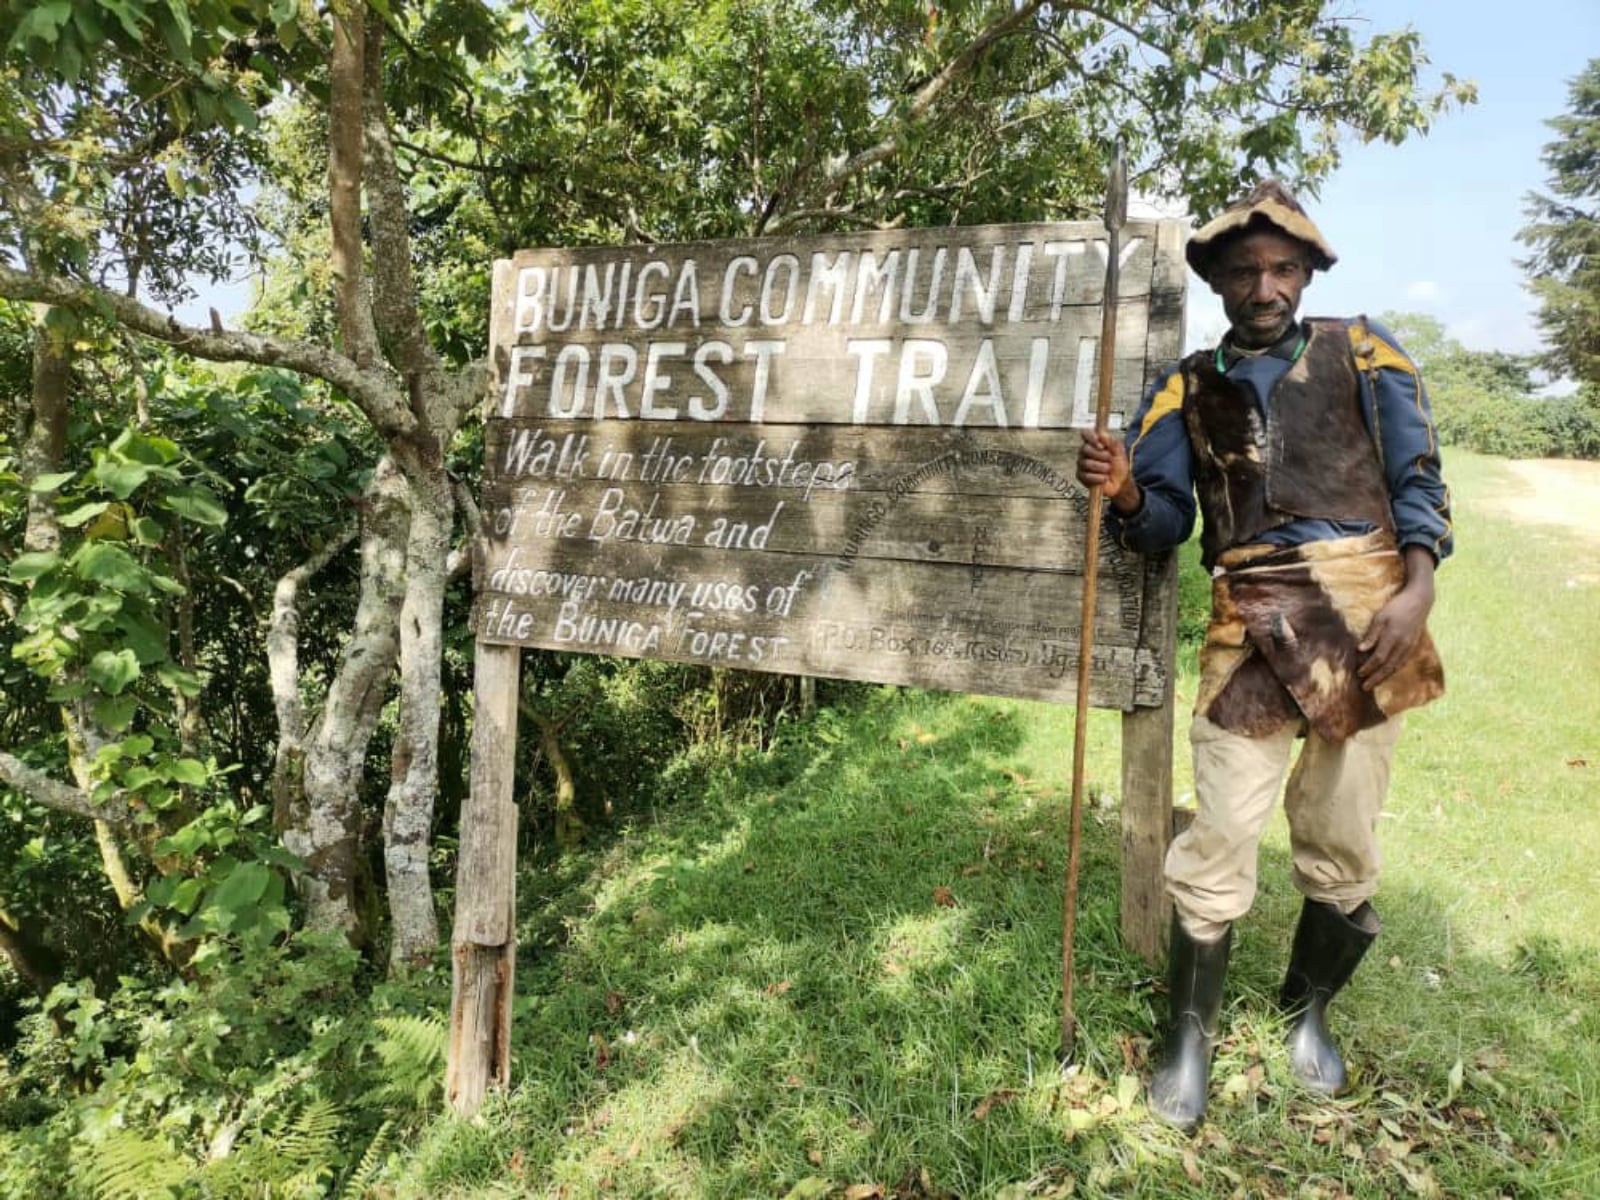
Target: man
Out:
[1312,451]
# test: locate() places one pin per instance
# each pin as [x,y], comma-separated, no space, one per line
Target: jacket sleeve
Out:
[1398,408]
[1158,451]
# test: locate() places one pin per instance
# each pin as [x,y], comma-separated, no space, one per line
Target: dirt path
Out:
[1554,491]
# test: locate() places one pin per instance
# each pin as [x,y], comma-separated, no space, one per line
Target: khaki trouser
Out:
[1334,796]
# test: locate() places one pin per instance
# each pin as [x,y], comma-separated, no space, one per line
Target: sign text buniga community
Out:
[717,329]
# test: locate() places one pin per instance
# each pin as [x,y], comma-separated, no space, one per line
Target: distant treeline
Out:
[1491,402]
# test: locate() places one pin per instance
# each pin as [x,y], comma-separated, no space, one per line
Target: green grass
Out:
[842,969]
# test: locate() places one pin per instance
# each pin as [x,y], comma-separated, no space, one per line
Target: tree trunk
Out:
[569,825]
[414,774]
[346,84]
[320,813]
[47,430]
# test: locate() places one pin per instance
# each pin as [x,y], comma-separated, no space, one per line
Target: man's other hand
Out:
[1397,628]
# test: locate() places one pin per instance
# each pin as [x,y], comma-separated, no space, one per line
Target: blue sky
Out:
[1430,226]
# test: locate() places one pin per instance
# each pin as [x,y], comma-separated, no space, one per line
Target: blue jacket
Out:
[1158,449]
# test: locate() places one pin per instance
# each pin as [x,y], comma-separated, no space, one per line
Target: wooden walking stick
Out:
[1116,214]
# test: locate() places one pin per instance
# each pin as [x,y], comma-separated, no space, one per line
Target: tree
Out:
[1564,232]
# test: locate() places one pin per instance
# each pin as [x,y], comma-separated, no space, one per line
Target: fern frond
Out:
[289,1156]
[412,1050]
[372,1162]
[311,1136]
[127,1166]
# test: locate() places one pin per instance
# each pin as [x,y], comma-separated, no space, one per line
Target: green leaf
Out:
[44,22]
[149,449]
[110,564]
[115,713]
[159,798]
[240,114]
[61,691]
[242,887]
[137,777]
[148,531]
[279,857]
[189,771]
[176,677]
[122,479]
[198,504]
[113,670]
[186,895]
[51,481]
[132,20]
[92,612]
[136,746]
[27,567]
[83,514]
[90,30]
[146,636]
[180,20]
[185,842]
[812,1187]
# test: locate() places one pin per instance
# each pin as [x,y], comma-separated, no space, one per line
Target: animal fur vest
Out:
[1286,622]
[1311,455]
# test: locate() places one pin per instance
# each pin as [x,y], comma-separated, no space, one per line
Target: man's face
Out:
[1260,277]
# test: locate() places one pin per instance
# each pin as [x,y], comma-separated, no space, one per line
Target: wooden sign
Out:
[848,455]
[845,455]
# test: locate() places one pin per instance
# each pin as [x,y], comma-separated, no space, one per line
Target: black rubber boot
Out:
[1328,946]
[1196,972]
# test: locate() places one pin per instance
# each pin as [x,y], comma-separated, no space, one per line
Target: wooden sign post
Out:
[847,455]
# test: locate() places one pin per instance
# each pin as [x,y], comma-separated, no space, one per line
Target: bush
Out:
[1493,423]
[265,1073]
[1572,424]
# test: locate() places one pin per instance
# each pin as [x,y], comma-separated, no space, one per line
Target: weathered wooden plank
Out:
[787,461]
[487,856]
[1147,754]
[1164,345]
[1147,778]
[479,1052]
[483,935]
[964,627]
[761,279]
[996,531]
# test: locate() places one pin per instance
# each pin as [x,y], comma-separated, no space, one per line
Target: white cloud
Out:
[1422,291]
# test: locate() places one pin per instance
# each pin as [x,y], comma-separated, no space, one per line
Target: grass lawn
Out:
[839,976]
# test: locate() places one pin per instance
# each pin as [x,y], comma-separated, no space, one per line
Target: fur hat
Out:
[1269,205]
